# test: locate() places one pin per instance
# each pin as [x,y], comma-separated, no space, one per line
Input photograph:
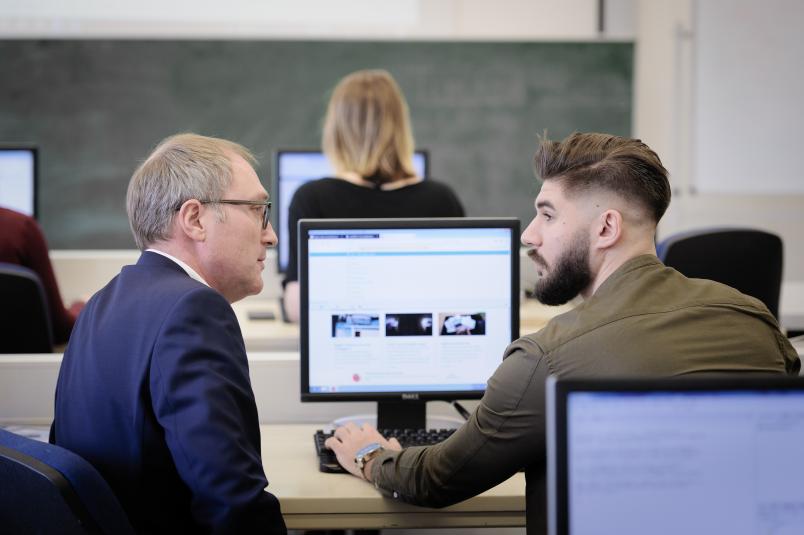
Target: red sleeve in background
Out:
[23,243]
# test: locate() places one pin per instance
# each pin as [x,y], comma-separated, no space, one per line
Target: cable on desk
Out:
[461,409]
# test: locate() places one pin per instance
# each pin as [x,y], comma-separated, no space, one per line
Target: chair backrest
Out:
[748,260]
[47,489]
[24,318]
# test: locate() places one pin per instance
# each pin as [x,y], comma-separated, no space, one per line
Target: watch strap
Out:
[366,454]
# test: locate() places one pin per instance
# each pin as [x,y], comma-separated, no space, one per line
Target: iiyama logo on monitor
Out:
[410,396]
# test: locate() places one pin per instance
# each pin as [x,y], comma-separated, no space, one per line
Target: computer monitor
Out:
[401,311]
[292,168]
[18,179]
[690,455]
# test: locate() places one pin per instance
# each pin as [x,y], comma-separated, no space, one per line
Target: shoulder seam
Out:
[611,321]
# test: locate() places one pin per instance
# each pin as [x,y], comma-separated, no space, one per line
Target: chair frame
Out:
[81,499]
[57,479]
[664,249]
[29,274]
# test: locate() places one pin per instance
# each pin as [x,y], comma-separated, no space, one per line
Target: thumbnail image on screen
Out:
[411,324]
[355,325]
[462,323]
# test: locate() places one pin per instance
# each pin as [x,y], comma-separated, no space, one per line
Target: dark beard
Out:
[569,277]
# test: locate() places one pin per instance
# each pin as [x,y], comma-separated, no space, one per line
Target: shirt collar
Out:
[190,271]
[611,284]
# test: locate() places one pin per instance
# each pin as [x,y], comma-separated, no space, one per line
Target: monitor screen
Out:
[406,309]
[295,167]
[706,456]
[18,179]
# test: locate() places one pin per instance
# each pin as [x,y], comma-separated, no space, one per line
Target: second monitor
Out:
[401,311]
[292,168]
[18,179]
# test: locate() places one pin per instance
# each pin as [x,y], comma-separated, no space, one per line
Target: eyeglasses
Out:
[266,212]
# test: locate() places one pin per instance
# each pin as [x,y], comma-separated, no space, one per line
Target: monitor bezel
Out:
[559,391]
[276,192]
[35,150]
[404,223]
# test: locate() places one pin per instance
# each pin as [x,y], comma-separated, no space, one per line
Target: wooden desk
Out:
[313,500]
[265,334]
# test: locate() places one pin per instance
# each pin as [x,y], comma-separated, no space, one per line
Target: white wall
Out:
[748,84]
[305,19]
[670,92]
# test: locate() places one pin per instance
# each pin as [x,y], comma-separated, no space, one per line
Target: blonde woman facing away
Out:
[368,140]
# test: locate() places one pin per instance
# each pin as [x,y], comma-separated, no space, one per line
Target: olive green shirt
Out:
[644,320]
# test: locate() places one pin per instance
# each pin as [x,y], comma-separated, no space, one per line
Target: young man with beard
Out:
[593,235]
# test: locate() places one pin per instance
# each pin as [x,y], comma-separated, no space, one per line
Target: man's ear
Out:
[189,220]
[609,229]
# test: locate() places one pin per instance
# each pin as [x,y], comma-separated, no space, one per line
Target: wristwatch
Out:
[365,454]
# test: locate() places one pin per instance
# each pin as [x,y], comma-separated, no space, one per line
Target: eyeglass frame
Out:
[266,214]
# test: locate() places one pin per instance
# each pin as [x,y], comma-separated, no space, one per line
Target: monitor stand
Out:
[401,414]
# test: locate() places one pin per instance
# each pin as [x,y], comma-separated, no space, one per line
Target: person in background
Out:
[593,235]
[154,387]
[23,243]
[368,140]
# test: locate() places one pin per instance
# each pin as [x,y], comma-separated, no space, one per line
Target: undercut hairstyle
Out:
[182,167]
[367,128]
[584,162]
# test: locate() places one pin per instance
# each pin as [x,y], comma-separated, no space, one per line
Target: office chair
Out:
[748,260]
[24,316]
[47,489]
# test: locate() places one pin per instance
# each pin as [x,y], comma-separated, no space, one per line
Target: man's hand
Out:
[350,438]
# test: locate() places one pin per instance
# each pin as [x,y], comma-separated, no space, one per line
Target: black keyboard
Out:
[327,462]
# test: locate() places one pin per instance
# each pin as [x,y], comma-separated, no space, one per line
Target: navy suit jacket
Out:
[154,391]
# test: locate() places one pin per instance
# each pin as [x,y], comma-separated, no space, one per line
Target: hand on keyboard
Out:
[348,439]
[397,439]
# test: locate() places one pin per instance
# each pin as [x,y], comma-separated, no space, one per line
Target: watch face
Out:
[365,450]
[365,454]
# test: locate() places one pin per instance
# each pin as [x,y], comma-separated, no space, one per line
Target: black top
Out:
[333,198]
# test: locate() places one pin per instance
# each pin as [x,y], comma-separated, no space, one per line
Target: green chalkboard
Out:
[96,108]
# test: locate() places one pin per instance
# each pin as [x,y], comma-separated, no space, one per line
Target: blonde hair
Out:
[182,167]
[367,128]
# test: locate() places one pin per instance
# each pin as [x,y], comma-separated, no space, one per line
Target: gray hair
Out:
[182,167]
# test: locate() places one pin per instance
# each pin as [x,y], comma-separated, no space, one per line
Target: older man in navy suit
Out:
[154,387]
